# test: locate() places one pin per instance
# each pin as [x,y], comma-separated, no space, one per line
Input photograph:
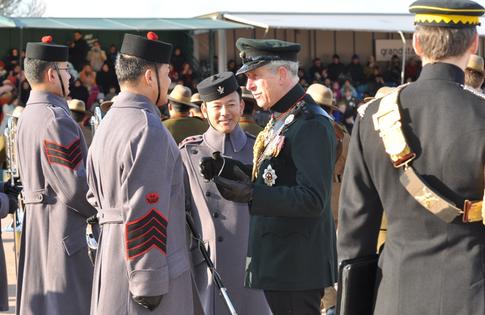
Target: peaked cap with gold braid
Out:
[449,13]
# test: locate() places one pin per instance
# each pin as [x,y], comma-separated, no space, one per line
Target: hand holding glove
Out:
[238,190]
[217,165]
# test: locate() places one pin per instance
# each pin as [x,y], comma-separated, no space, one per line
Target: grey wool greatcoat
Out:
[4,205]
[427,266]
[223,224]
[135,177]
[55,272]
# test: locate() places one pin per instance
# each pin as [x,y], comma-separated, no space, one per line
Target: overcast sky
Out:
[191,8]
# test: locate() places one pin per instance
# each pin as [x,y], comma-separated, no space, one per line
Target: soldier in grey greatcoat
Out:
[55,273]
[223,224]
[135,177]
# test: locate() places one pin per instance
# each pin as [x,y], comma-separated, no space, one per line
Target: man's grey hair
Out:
[130,68]
[291,66]
[34,69]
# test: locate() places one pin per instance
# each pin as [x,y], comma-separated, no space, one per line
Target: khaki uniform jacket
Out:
[223,224]
[183,127]
[55,272]
[248,124]
[135,177]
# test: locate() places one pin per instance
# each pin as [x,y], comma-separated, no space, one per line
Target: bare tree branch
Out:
[32,8]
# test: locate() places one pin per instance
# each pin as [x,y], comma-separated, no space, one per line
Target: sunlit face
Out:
[224,113]
[263,83]
[164,83]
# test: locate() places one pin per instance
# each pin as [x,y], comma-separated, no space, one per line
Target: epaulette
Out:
[470,89]
[191,140]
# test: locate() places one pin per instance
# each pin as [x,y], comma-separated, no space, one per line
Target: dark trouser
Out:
[295,302]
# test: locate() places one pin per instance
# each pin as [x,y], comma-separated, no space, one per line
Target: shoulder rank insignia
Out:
[69,156]
[146,233]
[193,139]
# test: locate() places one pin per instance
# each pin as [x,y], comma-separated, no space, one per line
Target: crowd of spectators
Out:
[94,79]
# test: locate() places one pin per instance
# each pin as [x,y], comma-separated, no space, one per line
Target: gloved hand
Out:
[211,166]
[11,190]
[12,204]
[148,302]
[217,165]
[239,190]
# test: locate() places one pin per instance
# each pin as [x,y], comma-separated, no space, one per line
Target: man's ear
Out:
[417,46]
[147,76]
[282,74]
[50,75]
[474,46]
[203,109]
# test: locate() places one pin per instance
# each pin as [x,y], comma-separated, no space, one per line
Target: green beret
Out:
[453,14]
[259,52]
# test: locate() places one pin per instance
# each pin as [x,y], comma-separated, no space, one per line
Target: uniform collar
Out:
[132,100]
[288,100]
[43,97]
[225,143]
[442,71]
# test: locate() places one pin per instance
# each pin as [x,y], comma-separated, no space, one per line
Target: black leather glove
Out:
[11,190]
[12,204]
[239,190]
[148,302]
[217,165]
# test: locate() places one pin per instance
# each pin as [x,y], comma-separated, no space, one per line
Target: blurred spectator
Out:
[376,84]
[356,71]
[301,74]
[348,86]
[349,99]
[173,74]
[412,69]
[12,59]
[231,66]
[16,75]
[106,78]
[370,67]
[96,56]
[178,59]
[112,55]
[315,72]
[87,76]
[336,68]
[393,73]
[3,71]
[79,91]
[475,73]
[336,91]
[186,75]
[78,51]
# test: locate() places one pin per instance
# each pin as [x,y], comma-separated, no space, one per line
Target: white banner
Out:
[386,48]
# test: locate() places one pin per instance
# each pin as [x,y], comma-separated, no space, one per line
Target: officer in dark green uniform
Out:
[426,173]
[180,124]
[291,252]
[247,121]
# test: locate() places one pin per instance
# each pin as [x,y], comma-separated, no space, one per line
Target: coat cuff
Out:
[149,282]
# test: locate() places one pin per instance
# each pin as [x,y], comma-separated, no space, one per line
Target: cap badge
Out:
[220,89]
[269,176]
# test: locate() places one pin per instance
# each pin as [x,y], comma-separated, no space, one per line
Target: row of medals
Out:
[269,143]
